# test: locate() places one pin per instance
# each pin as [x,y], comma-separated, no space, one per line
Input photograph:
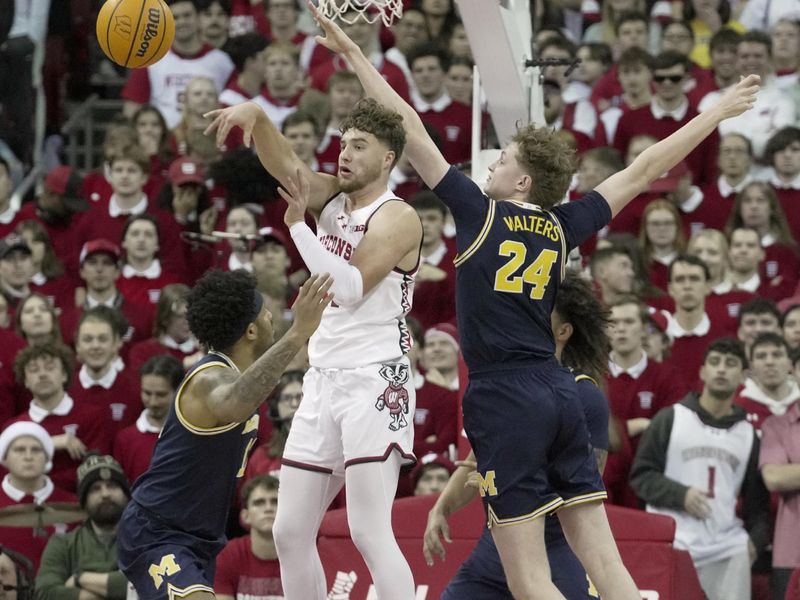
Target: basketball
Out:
[135,33]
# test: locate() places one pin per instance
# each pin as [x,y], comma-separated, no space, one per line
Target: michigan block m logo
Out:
[486,484]
[166,567]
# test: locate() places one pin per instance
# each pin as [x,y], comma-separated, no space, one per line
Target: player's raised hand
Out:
[334,39]
[296,198]
[244,116]
[312,299]
[436,530]
[738,98]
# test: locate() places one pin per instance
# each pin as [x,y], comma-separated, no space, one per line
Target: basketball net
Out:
[368,10]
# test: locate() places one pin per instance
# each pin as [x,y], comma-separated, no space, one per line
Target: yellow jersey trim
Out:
[482,235]
[583,377]
[184,421]
[563,246]
[539,512]
[583,499]
[176,592]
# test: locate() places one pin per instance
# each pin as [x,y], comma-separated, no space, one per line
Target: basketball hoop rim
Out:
[371,10]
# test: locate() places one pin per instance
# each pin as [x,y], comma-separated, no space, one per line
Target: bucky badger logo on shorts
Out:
[395,396]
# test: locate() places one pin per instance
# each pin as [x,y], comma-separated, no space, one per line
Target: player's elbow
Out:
[349,290]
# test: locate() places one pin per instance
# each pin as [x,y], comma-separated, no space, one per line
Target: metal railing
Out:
[85,131]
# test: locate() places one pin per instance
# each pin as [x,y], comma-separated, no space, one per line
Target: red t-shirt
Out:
[89,424]
[97,222]
[435,301]
[436,414]
[790,202]
[133,449]
[145,291]
[120,401]
[687,350]
[453,122]
[243,575]
[701,161]
[145,349]
[757,412]
[393,75]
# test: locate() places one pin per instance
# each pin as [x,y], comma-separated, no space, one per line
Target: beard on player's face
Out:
[359,176]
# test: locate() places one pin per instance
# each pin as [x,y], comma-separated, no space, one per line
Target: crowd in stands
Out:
[95,266]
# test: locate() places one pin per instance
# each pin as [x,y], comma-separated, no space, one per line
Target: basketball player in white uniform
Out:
[692,464]
[355,423]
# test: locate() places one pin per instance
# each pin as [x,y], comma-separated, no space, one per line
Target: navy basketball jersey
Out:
[192,477]
[509,276]
[511,259]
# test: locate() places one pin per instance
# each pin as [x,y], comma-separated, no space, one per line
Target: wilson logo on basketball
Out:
[150,30]
[122,26]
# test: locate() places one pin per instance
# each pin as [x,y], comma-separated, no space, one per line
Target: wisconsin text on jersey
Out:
[337,246]
[534,224]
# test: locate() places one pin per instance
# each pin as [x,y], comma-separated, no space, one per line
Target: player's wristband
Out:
[76,578]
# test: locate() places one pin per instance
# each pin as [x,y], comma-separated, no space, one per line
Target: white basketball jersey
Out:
[373,330]
[713,460]
[169,76]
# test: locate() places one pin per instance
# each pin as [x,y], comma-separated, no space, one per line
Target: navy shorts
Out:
[481,576]
[161,562]
[528,430]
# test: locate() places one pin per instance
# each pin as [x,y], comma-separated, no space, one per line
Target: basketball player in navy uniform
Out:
[174,526]
[579,330]
[521,410]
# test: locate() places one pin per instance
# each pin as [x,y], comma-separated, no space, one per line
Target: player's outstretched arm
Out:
[422,152]
[226,397]
[273,150]
[456,495]
[621,188]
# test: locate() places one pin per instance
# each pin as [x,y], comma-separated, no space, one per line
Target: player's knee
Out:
[365,537]
[292,533]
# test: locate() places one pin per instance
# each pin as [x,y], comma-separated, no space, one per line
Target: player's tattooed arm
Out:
[228,397]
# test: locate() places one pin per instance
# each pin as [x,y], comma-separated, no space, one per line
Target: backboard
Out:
[500,35]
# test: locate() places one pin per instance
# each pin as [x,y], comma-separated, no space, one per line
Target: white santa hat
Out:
[34,430]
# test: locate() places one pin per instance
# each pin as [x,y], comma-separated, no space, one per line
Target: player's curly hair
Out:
[548,160]
[588,347]
[218,302]
[385,124]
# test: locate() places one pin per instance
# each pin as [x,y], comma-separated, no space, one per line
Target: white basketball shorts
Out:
[351,416]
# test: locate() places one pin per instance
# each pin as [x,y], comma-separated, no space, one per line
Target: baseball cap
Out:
[186,170]
[670,180]
[13,242]
[270,234]
[100,245]
[99,467]
[66,183]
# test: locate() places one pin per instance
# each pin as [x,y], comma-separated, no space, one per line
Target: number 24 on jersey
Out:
[536,274]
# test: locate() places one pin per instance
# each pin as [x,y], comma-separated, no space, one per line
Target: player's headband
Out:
[258,304]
